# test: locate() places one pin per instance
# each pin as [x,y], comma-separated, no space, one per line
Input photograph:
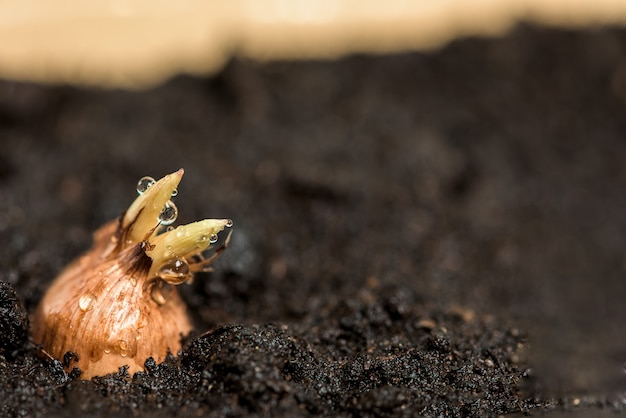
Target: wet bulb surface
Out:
[432,234]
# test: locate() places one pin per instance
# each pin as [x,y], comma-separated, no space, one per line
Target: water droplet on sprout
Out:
[229,223]
[169,213]
[213,238]
[174,192]
[86,302]
[144,184]
[175,271]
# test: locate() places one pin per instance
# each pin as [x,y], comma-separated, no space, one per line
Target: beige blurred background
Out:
[139,43]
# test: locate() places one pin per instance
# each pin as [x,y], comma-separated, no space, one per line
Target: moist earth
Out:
[422,234]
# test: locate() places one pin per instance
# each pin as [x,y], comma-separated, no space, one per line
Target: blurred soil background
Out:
[431,233]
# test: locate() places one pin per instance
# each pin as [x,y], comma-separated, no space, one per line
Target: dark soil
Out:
[434,234]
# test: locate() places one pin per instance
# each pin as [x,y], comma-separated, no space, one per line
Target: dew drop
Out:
[168,229]
[86,302]
[144,184]
[169,213]
[175,271]
[123,347]
[107,350]
[213,238]
[174,192]
[229,223]
[133,280]
[157,296]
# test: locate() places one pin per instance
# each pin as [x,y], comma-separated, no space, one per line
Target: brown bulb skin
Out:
[101,309]
[116,305]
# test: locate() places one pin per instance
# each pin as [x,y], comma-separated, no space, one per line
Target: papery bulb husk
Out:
[102,311]
[113,307]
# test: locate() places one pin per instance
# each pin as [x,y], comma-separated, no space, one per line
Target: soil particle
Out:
[13,322]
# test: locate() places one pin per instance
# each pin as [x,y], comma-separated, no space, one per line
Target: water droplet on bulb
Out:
[133,280]
[174,192]
[86,302]
[156,295]
[213,238]
[169,228]
[169,213]
[229,223]
[122,346]
[175,271]
[144,184]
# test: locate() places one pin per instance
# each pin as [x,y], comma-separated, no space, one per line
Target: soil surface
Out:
[426,234]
